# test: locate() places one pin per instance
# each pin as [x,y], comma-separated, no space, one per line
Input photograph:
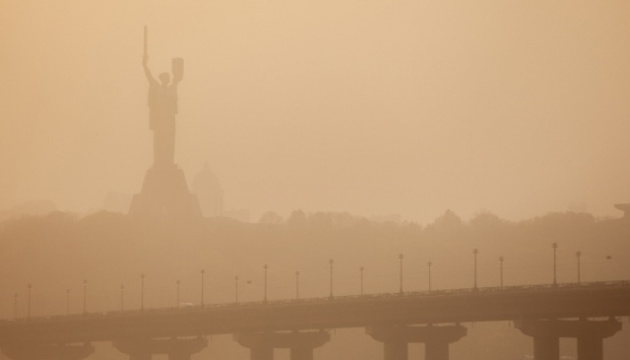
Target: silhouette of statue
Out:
[164,191]
[162,110]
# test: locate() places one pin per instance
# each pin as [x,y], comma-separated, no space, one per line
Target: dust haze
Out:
[371,107]
[394,141]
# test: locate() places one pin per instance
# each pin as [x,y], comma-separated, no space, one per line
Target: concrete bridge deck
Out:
[586,300]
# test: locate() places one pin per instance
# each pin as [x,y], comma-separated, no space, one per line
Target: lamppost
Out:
[178,283]
[28,314]
[236,289]
[361,272]
[67,302]
[475,252]
[501,270]
[202,285]
[330,263]
[265,295]
[578,255]
[429,265]
[297,284]
[84,296]
[400,258]
[142,292]
[554,246]
[122,297]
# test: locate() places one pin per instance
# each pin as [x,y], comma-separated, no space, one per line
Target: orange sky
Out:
[373,107]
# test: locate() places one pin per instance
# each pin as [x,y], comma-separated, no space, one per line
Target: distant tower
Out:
[208,189]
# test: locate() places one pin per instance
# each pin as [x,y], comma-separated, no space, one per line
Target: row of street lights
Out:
[554,246]
[178,285]
[297,283]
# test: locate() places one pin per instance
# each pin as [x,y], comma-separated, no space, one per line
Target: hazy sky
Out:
[374,107]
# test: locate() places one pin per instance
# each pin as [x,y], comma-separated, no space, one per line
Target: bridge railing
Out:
[481,291]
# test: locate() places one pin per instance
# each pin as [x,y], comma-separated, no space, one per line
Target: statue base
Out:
[165,194]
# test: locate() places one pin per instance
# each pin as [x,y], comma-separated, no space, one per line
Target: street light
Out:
[361,271]
[28,314]
[501,270]
[178,283]
[297,284]
[122,297]
[265,295]
[236,289]
[400,258]
[84,296]
[331,262]
[202,283]
[475,252]
[142,292]
[555,249]
[578,255]
[429,265]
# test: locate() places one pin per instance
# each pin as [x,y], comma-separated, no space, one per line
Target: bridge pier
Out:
[546,347]
[301,344]
[28,351]
[175,348]
[436,340]
[590,336]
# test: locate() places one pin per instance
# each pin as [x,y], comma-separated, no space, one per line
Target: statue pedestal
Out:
[165,194]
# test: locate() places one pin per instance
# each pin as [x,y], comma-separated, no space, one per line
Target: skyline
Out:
[367,107]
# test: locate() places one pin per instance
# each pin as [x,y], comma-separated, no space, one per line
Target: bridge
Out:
[586,311]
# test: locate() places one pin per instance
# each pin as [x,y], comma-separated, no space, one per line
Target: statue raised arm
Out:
[162,101]
[147,71]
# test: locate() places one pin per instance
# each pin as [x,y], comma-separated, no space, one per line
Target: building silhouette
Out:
[209,192]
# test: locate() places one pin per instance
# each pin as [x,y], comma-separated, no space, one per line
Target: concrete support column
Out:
[175,348]
[436,339]
[261,353]
[301,344]
[395,350]
[34,351]
[590,336]
[140,356]
[546,348]
[179,355]
[590,348]
[301,353]
[436,350]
